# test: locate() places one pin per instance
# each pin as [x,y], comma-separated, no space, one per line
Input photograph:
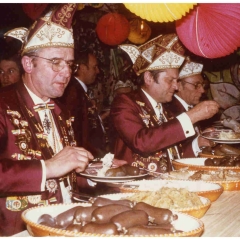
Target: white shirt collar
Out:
[82,84]
[154,103]
[185,105]
[34,97]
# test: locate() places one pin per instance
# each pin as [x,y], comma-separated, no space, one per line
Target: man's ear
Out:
[148,78]
[27,64]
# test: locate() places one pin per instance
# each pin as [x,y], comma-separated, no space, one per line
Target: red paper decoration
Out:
[113,28]
[212,30]
[34,10]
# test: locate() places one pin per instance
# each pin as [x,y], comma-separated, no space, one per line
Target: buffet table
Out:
[223,217]
[221,220]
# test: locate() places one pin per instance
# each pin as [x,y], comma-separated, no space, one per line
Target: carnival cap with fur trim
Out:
[190,68]
[52,30]
[121,84]
[162,52]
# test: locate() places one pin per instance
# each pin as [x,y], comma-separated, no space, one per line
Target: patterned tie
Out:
[46,122]
[161,117]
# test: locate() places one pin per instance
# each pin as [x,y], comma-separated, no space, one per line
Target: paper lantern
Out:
[34,10]
[212,30]
[160,12]
[113,28]
[139,31]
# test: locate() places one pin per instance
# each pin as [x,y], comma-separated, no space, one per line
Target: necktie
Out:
[46,122]
[161,117]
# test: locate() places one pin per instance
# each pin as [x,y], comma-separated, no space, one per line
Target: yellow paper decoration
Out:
[160,12]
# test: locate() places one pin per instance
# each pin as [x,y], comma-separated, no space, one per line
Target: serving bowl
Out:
[198,164]
[198,211]
[191,226]
[228,184]
[212,191]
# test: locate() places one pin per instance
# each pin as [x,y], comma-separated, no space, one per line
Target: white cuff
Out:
[195,147]
[44,175]
[186,123]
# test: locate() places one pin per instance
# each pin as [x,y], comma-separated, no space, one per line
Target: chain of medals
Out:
[93,118]
[152,120]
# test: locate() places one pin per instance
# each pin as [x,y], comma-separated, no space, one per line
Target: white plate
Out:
[191,161]
[215,136]
[112,179]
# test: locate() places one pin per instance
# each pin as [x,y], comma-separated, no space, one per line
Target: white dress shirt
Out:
[57,142]
[195,146]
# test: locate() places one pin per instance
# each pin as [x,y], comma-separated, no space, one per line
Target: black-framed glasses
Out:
[59,63]
[196,85]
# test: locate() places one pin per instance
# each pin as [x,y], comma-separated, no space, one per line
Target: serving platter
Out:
[216,136]
[122,179]
[212,191]
[197,212]
[198,164]
[227,184]
[191,226]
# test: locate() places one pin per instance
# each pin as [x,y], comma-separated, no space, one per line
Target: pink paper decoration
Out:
[211,30]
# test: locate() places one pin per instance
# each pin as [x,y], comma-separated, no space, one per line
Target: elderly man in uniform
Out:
[148,133]
[38,155]
[190,90]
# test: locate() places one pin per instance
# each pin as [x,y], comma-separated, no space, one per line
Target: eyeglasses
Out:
[58,63]
[196,85]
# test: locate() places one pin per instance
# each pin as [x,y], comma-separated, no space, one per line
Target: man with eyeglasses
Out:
[191,87]
[38,154]
[148,135]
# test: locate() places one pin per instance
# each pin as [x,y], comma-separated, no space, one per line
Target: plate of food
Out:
[116,179]
[227,163]
[180,200]
[106,171]
[81,220]
[228,179]
[212,191]
[222,136]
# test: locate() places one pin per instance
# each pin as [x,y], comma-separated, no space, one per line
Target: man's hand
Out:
[203,110]
[67,160]
[203,142]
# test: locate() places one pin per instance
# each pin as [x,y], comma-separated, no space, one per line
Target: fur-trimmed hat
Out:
[190,68]
[52,30]
[121,84]
[162,52]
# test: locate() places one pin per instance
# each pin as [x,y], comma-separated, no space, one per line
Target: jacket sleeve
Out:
[16,176]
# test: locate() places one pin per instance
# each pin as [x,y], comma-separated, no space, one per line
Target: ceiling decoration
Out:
[160,12]
[211,30]
[113,28]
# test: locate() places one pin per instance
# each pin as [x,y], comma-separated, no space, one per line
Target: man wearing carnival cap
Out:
[38,155]
[190,90]
[148,133]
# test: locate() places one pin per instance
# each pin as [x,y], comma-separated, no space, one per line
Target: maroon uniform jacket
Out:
[141,140]
[21,148]
[87,126]
[177,108]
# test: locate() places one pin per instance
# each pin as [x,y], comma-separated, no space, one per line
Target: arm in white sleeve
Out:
[195,147]
[186,125]
[43,175]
